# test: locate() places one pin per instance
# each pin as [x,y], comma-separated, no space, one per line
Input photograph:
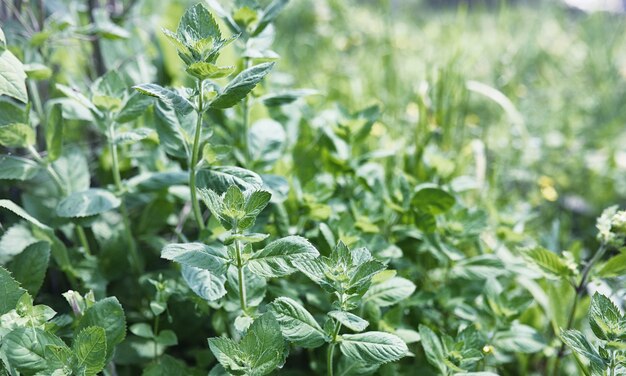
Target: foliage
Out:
[173,202]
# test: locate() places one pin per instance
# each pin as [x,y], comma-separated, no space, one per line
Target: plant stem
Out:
[155,330]
[612,365]
[245,109]
[83,239]
[49,169]
[194,158]
[241,279]
[331,349]
[579,289]
[117,179]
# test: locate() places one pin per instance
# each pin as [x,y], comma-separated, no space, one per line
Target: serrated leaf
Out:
[227,352]
[10,291]
[373,347]
[240,86]
[17,135]
[169,97]
[548,262]
[25,348]
[93,201]
[297,324]
[276,259]
[605,319]
[316,270]
[108,314]
[389,292]
[203,70]
[90,350]
[29,267]
[12,76]
[576,341]
[433,349]
[362,276]
[264,345]
[349,320]
[197,24]
[219,178]
[433,200]
[17,168]
[206,284]
[54,132]
[212,258]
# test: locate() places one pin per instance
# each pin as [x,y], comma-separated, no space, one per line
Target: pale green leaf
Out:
[12,76]
[17,135]
[17,168]
[212,258]
[276,259]
[264,345]
[25,349]
[54,132]
[87,203]
[433,349]
[373,347]
[349,320]
[605,319]
[297,324]
[240,86]
[169,97]
[550,263]
[518,339]
[203,282]
[219,178]
[389,292]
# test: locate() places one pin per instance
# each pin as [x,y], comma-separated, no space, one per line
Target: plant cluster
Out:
[221,222]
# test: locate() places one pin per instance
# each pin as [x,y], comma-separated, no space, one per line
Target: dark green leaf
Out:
[16,168]
[212,258]
[241,85]
[29,267]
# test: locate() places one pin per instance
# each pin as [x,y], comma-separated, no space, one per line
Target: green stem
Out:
[612,365]
[245,108]
[241,279]
[117,179]
[331,349]
[194,158]
[579,289]
[155,330]
[83,239]
[34,93]
[49,169]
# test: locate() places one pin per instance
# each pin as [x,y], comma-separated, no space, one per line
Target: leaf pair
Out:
[260,351]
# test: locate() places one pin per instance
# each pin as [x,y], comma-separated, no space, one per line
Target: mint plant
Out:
[199,42]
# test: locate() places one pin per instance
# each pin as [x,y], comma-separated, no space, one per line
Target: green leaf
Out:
[219,178]
[12,76]
[206,284]
[135,106]
[25,349]
[433,349]
[518,339]
[16,168]
[433,200]
[264,345]
[582,348]
[167,96]
[132,136]
[196,25]
[203,70]
[266,139]
[255,203]
[142,330]
[276,259]
[166,366]
[174,130]
[389,292]
[58,357]
[286,97]
[167,338]
[349,320]
[90,350]
[227,352]
[108,314]
[36,71]
[54,132]
[373,347]
[605,319]
[87,203]
[269,14]
[10,291]
[614,267]
[316,270]
[240,86]
[551,264]
[10,205]
[29,267]
[17,135]
[297,324]
[212,258]
[79,98]
[361,278]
